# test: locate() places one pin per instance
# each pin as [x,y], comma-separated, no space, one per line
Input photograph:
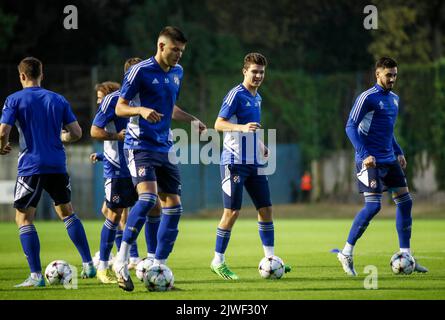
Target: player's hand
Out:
[150,115]
[369,162]
[250,127]
[121,135]
[6,149]
[402,160]
[199,125]
[265,152]
[93,157]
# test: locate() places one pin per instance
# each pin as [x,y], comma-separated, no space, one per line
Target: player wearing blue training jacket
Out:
[152,86]
[239,119]
[40,116]
[379,161]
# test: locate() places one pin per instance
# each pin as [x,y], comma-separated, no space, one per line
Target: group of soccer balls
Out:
[160,277]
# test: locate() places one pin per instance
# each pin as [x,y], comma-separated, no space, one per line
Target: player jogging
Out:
[239,118]
[40,116]
[152,86]
[379,161]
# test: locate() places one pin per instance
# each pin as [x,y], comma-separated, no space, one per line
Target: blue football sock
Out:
[404,220]
[134,253]
[137,216]
[222,240]
[266,231]
[168,231]
[31,246]
[151,233]
[77,235]
[118,238]
[107,238]
[362,219]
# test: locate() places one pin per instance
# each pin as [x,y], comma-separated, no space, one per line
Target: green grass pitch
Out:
[304,244]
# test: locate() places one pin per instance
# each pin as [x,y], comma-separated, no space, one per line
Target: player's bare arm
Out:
[222,124]
[72,133]
[123,109]
[5,147]
[181,115]
[101,134]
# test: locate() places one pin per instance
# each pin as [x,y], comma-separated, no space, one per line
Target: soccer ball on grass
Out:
[142,268]
[58,272]
[271,267]
[159,277]
[402,263]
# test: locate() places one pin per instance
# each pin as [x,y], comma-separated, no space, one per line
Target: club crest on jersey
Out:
[373,184]
[236,179]
[166,80]
[176,80]
[141,171]
[381,105]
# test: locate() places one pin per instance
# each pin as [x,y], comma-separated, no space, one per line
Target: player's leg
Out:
[232,184]
[169,183]
[396,180]
[257,187]
[59,188]
[120,229]
[168,226]
[151,230]
[29,240]
[371,186]
[147,195]
[107,237]
[125,196]
[27,195]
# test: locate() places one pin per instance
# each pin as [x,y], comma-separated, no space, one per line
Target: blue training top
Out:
[241,107]
[39,115]
[115,165]
[370,126]
[146,84]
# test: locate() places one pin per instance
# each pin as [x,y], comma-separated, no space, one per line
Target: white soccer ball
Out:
[159,277]
[271,267]
[142,267]
[58,272]
[402,263]
[96,259]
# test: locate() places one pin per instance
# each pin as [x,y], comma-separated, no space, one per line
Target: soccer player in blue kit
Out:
[148,95]
[119,190]
[40,116]
[379,161]
[239,119]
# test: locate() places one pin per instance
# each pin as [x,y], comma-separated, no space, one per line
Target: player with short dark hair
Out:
[41,117]
[379,161]
[239,119]
[148,95]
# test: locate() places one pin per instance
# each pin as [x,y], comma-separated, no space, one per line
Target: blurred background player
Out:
[148,96]
[239,118]
[379,161]
[40,116]
[119,191]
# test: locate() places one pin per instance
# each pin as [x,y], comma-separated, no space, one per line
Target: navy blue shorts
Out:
[381,178]
[154,166]
[234,177]
[28,190]
[120,193]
